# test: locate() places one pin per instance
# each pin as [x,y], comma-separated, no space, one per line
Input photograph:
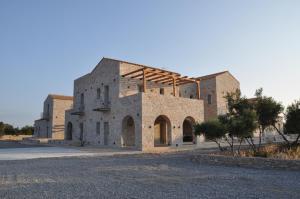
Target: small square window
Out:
[162,91]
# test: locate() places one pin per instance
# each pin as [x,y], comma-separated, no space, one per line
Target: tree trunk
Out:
[251,145]
[230,144]
[232,150]
[296,141]
[282,135]
[239,148]
[261,130]
[219,145]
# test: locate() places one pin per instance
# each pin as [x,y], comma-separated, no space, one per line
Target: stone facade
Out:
[51,124]
[111,109]
[213,88]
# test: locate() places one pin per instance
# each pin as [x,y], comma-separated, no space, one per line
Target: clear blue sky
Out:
[45,45]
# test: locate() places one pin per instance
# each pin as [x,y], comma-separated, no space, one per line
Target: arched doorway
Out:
[69,131]
[128,132]
[188,130]
[162,131]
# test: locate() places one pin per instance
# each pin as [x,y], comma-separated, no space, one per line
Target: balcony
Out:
[78,110]
[102,106]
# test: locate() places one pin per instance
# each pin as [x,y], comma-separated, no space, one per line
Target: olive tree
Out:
[268,111]
[212,130]
[240,121]
[292,116]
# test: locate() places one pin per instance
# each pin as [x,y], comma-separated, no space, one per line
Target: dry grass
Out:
[275,151]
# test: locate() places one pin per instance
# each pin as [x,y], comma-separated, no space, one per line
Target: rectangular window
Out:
[209,99]
[98,128]
[106,95]
[106,133]
[98,93]
[82,99]
[162,91]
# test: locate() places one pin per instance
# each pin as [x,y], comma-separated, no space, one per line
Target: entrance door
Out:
[81,132]
[157,134]
[162,131]
[106,133]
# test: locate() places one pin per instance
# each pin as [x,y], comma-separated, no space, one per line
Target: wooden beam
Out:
[135,76]
[151,75]
[144,81]
[132,72]
[164,79]
[167,81]
[154,78]
[162,73]
[174,87]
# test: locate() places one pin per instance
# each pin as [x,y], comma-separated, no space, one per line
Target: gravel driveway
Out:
[140,176]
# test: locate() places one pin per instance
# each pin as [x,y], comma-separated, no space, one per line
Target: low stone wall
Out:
[248,162]
[14,137]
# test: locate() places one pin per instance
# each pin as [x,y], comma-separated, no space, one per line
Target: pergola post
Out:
[198,89]
[174,86]
[144,81]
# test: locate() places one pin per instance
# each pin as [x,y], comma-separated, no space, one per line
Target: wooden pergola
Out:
[161,76]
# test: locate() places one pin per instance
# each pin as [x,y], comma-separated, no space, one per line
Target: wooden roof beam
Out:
[158,74]
[168,81]
[136,76]
[163,80]
[133,72]
[155,78]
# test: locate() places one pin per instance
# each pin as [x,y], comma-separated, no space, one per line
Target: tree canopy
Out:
[8,129]
[292,125]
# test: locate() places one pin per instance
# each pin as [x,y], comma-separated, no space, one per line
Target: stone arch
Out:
[69,131]
[188,135]
[162,131]
[128,132]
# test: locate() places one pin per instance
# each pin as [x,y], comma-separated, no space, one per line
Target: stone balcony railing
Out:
[102,106]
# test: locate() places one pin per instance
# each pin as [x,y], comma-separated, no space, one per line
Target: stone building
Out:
[52,121]
[125,104]
[213,89]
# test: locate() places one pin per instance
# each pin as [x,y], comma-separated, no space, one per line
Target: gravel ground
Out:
[140,176]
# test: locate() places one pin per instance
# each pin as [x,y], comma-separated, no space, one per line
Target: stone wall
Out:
[176,109]
[225,83]
[106,73]
[208,87]
[58,117]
